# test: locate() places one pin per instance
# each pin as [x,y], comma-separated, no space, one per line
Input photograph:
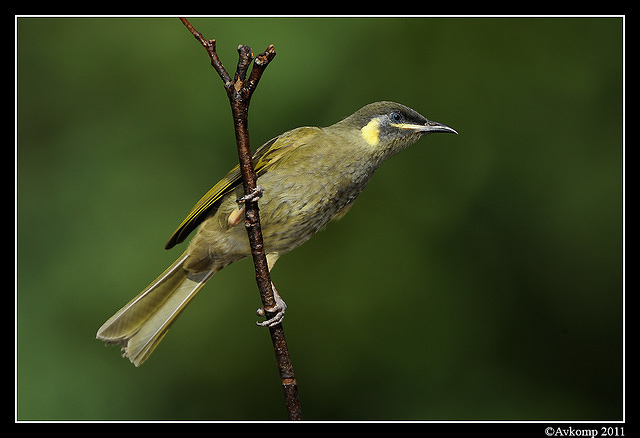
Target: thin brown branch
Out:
[259,65]
[239,91]
[210,47]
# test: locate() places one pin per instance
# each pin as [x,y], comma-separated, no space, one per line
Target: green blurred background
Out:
[478,277]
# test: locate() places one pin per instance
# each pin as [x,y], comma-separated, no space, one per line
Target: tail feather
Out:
[142,323]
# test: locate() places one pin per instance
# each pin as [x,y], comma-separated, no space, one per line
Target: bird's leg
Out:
[279,310]
[236,215]
[280,307]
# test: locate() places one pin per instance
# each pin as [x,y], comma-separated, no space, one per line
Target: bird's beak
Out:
[437,127]
[427,128]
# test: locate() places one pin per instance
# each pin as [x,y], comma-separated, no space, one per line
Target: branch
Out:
[239,91]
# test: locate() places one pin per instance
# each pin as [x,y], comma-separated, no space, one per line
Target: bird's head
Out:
[389,127]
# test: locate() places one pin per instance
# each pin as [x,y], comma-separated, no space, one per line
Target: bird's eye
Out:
[396,117]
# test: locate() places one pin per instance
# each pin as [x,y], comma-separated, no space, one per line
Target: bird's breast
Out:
[297,204]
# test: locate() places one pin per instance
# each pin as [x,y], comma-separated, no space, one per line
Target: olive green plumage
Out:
[309,177]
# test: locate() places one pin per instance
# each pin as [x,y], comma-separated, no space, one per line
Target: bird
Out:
[306,178]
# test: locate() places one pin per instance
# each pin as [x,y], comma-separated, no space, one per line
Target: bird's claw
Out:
[279,309]
[251,197]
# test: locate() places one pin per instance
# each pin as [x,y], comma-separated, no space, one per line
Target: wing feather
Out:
[263,159]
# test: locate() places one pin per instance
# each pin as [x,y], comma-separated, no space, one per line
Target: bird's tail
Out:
[141,324]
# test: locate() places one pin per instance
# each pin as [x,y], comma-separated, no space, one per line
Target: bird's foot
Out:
[279,309]
[251,197]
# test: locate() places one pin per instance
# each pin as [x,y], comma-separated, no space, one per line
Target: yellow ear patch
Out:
[371,132]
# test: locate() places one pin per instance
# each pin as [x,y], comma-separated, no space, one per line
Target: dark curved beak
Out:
[430,127]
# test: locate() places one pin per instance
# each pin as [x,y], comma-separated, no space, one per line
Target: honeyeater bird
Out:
[307,177]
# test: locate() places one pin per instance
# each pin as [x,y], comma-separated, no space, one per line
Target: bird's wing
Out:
[263,159]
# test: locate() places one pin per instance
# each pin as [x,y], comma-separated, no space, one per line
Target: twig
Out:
[239,90]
